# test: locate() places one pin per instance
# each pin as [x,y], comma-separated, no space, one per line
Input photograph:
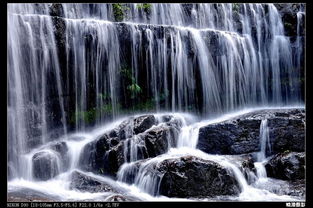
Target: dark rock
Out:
[287,166]
[143,123]
[157,140]
[99,158]
[287,134]
[86,183]
[240,135]
[45,165]
[106,154]
[194,177]
[246,165]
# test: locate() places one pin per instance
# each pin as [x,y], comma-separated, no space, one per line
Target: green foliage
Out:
[126,73]
[86,116]
[134,89]
[119,11]
[90,115]
[132,85]
[236,7]
[145,7]
[288,26]
[164,95]
[104,96]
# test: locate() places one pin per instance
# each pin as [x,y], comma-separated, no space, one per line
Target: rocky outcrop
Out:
[287,166]
[134,139]
[82,182]
[241,135]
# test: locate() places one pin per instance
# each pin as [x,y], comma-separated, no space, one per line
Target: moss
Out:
[144,7]
[236,7]
[89,116]
[119,11]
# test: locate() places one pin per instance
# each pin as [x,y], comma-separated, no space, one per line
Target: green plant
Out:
[145,7]
[132,85]
[134,89]
[119,11]
[104,96]
[236,7]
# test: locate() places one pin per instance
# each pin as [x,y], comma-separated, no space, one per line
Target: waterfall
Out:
[75,67]
[265,147]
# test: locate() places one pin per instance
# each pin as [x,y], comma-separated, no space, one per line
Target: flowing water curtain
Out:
[35,84]
[66,63]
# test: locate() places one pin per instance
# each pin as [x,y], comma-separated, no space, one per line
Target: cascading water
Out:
[74,66]
[265,145]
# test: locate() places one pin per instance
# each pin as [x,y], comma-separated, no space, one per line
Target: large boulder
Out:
[241,135]
[287,166]
[45,165]
[187,176]
[194,177]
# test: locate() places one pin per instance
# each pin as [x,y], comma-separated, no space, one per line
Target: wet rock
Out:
[45,165]
[194,177]
[245,163]
[240,135]
[158,139]
[86,183]
[62,149]
[281,187]
[287,166]
[287,134]
[101,156]
[124,143]
[143,123]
